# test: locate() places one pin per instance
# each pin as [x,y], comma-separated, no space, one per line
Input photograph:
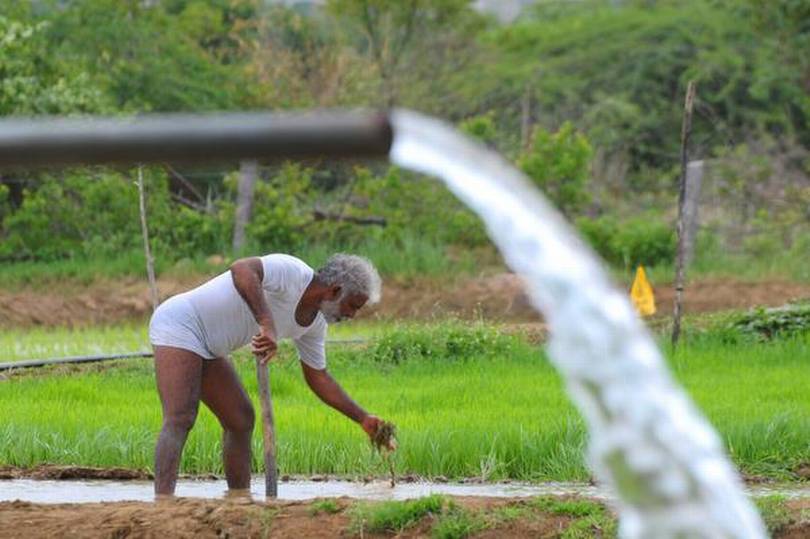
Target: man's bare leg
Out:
[225,396]
[179,378]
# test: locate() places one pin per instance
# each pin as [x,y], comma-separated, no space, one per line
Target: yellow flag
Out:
[642,294]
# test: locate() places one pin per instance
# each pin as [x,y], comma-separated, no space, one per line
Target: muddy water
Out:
[88,491]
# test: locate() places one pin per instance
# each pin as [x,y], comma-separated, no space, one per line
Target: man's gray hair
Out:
[355,274]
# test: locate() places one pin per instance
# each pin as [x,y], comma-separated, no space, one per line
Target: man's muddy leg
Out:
[225,396]
[179,377]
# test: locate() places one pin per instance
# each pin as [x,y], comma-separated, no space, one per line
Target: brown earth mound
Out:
[500,297]
[190,517]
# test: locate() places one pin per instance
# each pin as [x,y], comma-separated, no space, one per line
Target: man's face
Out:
[342,308]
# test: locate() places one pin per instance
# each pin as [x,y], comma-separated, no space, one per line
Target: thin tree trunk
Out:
[526,118]
[150,262]
[686,130]
[248,173]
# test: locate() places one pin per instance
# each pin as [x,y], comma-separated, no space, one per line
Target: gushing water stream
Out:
[649,443]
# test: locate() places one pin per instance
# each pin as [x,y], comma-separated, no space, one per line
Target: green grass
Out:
[775,513]
[477,405]
[573,507]
[591,519]
[328,506]
[411,257]
[448,520]
[720,265]
[457,523]
[80,270]
[394,516]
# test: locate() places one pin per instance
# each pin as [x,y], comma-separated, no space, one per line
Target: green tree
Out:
[396,32]
[33,81]
[619,70]
[148,58]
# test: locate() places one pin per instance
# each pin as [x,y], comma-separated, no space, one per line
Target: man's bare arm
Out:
[329,391]
[247,275]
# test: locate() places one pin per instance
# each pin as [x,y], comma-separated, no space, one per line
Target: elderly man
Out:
[260,300]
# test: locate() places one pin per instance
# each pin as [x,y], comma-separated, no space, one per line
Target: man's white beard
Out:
[331,311]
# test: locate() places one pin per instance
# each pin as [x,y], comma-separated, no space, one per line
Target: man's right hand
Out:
[263,345]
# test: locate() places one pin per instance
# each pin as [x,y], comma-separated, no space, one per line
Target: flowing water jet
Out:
[648,441]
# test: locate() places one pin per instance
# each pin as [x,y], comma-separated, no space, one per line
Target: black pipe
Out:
[181,138]
[30,363]
[80,359]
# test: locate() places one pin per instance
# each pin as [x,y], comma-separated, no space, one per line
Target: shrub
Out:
[765,324]
[558,164]
[422,205]
[279,213]
[639,240]
[91,213]
[450,341]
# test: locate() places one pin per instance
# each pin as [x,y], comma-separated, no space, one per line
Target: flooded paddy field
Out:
[469,400]
[55,491]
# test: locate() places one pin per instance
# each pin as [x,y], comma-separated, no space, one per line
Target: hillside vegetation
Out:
[584,97]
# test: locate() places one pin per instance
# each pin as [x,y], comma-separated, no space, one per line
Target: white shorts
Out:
[175,323]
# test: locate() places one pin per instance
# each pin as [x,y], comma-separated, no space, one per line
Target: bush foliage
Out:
[448,341]
[766,324]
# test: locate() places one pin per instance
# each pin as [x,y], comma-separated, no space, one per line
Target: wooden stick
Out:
[268,431]
[686,130]
[150,261]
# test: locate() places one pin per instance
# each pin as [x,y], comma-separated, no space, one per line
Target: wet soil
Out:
[193,517]
[499,297]
[54,471]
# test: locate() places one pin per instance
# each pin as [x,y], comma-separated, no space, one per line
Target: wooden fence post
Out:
[248,173]
[686,130]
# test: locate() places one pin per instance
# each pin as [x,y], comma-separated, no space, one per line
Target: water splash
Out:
[648,441]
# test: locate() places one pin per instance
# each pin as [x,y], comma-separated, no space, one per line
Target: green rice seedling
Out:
[382,441]
[492,416]
[45,343]
[394,516]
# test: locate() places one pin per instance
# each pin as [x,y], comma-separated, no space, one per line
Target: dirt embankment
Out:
[499,297]
[190,517]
